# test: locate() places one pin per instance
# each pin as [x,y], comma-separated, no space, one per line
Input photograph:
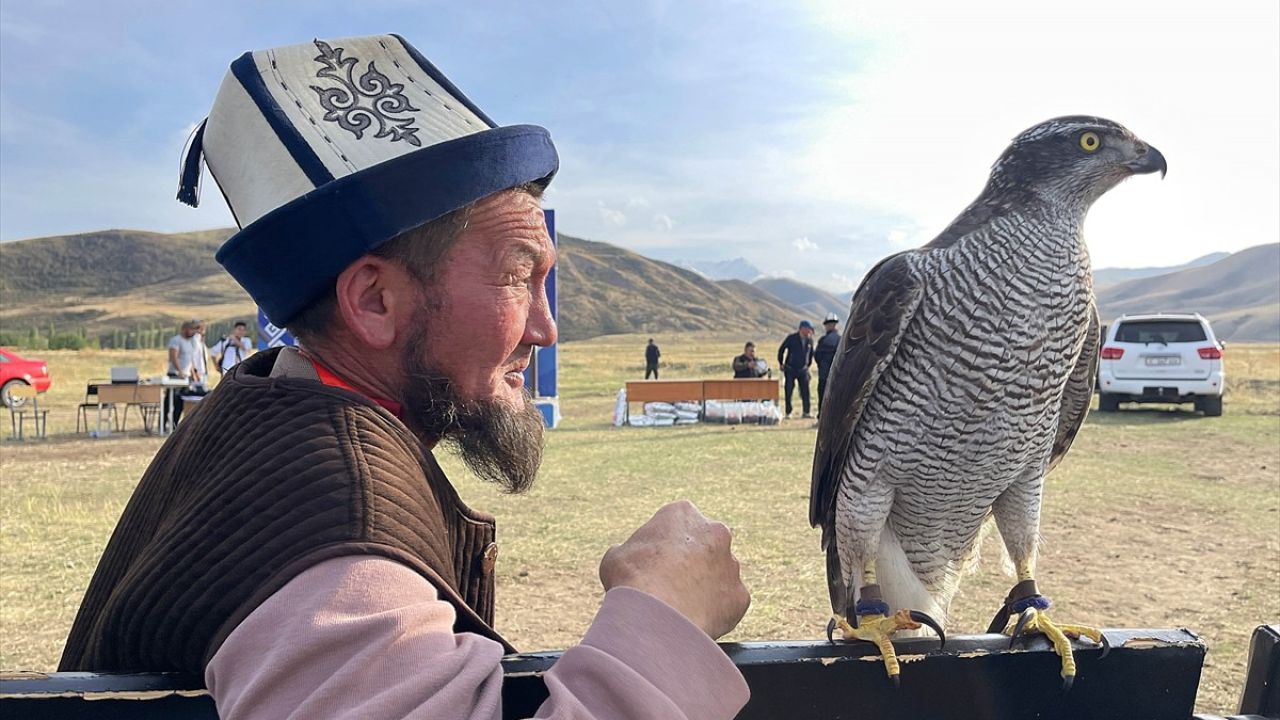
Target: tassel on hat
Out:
[189,178]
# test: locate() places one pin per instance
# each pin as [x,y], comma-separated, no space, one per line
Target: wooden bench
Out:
[700,391]
[740,389]
[664,391]
[1147,674]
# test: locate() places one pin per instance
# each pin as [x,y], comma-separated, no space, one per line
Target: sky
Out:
[810,138]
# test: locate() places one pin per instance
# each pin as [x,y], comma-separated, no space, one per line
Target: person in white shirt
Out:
[201,359]
[184,350]
[232,349]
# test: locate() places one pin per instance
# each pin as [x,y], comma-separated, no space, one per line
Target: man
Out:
[794,355]
[232,349]
[333,571]
[200,361]
[825,353]
[184,349]
[747,365]
[651,355]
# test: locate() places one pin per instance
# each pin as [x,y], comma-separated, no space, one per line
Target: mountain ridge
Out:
[113,280]
[1239,294]
[1108,276]
[815,301]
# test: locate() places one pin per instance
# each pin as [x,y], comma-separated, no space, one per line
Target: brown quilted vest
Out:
[271,476]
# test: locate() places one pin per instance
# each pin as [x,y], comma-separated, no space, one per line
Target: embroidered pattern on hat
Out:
[343,103]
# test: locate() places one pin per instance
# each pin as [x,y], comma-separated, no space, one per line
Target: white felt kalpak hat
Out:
[328,149]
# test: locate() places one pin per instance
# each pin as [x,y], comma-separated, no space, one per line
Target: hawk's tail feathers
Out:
[835,579]
[900,585]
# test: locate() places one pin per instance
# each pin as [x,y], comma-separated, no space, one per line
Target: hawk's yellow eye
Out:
[1089,142]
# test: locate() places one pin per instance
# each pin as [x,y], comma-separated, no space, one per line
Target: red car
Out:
[15,369]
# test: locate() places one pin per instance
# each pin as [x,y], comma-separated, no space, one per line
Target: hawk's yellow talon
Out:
[1061,636]
[879,629]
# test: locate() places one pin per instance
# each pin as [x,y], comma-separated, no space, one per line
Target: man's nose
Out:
[540,327]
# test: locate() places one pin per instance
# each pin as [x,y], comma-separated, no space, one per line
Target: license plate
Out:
[1164,360]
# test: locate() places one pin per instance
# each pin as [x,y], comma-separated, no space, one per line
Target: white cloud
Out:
[804,244]
[899,238]
[925,98]
[844,281]
[611,217]
[949,84]
[883,130]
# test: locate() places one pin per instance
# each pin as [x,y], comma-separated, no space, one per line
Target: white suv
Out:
[1161,358]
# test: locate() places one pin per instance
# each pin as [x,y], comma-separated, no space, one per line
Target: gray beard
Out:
[499,442]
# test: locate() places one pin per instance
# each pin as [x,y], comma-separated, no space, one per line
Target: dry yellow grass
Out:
[1156,518]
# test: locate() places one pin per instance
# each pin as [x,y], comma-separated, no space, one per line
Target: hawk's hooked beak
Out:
[1149,160]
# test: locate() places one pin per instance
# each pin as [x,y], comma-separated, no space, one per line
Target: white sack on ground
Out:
[658,407]
[620,408]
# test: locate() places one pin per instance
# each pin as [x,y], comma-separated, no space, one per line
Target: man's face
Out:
[489,300]
[464,359]
[751,352]
[806,332]
[830,327]
[188,332]
[238,331]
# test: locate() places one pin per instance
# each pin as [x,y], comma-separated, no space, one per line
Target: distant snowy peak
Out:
[733,269]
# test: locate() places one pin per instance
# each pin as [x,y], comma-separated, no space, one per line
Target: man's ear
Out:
[372,293]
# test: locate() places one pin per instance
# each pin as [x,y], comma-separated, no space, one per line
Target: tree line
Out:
[138,337]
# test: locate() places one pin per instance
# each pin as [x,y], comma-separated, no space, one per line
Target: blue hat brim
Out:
[290,256]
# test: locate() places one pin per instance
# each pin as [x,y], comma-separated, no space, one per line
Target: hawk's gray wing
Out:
[881,309]
[1078,393]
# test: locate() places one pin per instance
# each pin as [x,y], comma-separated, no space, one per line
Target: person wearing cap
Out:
[825,353]
[332,570]
[795,354]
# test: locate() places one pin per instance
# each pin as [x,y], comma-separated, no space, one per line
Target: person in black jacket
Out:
[651,355]
[747,365]
[794,355]
[825,353]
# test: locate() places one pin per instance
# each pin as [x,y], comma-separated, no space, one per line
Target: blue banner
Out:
[270,336]
[544,359]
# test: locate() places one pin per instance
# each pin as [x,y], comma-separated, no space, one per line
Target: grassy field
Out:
[1157,518]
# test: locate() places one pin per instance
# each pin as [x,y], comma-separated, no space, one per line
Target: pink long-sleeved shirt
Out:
[363,637]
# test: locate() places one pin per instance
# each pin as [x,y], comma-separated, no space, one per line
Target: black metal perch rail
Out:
[1147,674]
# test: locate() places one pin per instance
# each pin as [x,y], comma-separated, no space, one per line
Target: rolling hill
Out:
[116,280]
[124,279]
[816,302]
[1106,277]
[1240,294]
[605,289]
